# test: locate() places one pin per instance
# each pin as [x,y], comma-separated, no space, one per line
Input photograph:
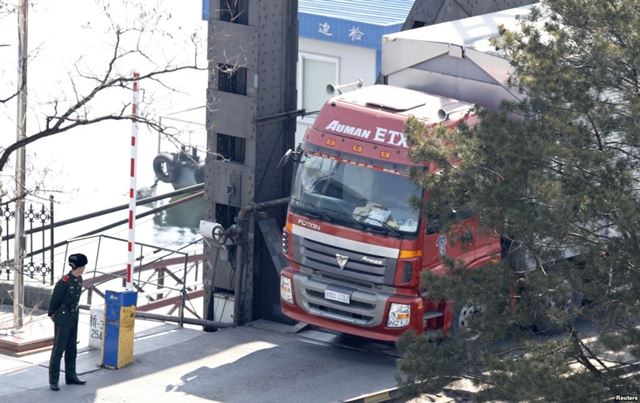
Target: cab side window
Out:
[455,216]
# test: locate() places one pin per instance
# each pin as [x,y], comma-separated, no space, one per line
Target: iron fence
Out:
[36,265]
[43,269]
[171,276]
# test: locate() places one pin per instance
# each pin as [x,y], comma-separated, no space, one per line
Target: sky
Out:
[87,169]
[71,38]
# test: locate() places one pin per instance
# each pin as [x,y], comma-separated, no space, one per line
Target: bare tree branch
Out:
[59,125]
[9,98]
[89,83]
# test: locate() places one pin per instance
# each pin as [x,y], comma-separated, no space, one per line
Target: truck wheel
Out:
[462,323]
[568,300]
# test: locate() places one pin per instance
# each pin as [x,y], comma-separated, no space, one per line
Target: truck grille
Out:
[366,308]
[364,268]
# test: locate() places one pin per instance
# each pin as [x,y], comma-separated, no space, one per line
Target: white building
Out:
[339,43]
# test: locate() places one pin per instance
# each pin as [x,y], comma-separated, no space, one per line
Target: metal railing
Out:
[172,277]
[176,273]
[46,217]
[42,215]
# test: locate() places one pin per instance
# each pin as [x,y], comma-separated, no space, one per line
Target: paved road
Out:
[175,364]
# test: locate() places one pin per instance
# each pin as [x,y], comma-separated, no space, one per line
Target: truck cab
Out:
[355,238]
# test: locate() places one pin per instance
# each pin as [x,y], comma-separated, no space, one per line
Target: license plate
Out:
[337,296]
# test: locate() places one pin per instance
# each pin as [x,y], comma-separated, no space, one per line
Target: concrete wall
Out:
[34,295]
[354,63]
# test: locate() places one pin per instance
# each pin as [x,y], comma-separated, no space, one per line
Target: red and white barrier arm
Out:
[132,183]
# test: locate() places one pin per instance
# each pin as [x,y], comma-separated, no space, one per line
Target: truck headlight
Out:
[399,315]
[286,290]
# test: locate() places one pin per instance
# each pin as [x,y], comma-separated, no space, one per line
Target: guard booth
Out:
[120,315]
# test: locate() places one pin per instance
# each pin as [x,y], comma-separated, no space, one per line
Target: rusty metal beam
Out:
[169,301]
[190,321]
[149,266]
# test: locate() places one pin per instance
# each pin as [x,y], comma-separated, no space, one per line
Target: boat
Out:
[180,169]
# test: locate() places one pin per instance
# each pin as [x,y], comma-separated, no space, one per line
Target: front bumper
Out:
[365,315]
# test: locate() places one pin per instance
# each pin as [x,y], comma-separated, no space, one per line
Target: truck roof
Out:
[369,123]
[404,102]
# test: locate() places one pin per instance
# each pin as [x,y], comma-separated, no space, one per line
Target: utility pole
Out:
[19,242]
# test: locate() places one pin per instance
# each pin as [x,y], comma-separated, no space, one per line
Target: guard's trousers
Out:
[64,341]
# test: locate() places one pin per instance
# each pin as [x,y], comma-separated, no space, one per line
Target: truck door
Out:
[487,246]
[458,243]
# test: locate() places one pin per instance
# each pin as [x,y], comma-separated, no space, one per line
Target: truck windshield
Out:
[355,196]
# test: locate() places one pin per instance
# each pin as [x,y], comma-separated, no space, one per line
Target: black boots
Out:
[75,381]
[71,381]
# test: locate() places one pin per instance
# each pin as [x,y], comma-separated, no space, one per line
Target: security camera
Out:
[333,88]
[213,231]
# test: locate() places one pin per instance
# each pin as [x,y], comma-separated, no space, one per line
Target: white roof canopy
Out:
[454,59]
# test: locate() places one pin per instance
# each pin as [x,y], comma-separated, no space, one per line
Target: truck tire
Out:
[164,166]
[461,325]
[547,325]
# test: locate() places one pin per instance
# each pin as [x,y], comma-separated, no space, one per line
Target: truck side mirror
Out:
[293,155]
[285,159]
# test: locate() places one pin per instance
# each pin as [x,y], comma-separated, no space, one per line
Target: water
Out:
[101,183]
[87,168]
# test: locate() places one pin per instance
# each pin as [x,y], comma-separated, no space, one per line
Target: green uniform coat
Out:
[63,310]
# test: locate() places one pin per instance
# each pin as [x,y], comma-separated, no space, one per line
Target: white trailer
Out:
[454,59]
[457,60]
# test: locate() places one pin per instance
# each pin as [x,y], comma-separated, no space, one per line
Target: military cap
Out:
[78,260]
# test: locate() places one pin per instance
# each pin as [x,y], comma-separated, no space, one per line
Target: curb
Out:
[385,395]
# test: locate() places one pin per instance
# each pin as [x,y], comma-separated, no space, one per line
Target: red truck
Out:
[356,245]
[354,241]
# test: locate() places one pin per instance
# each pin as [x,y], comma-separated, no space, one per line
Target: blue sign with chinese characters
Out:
[343,31]
[355,22]
[359,23]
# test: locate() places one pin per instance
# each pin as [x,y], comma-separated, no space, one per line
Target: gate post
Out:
[51,238]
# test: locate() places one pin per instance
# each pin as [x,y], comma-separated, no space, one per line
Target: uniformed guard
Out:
[63,310]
